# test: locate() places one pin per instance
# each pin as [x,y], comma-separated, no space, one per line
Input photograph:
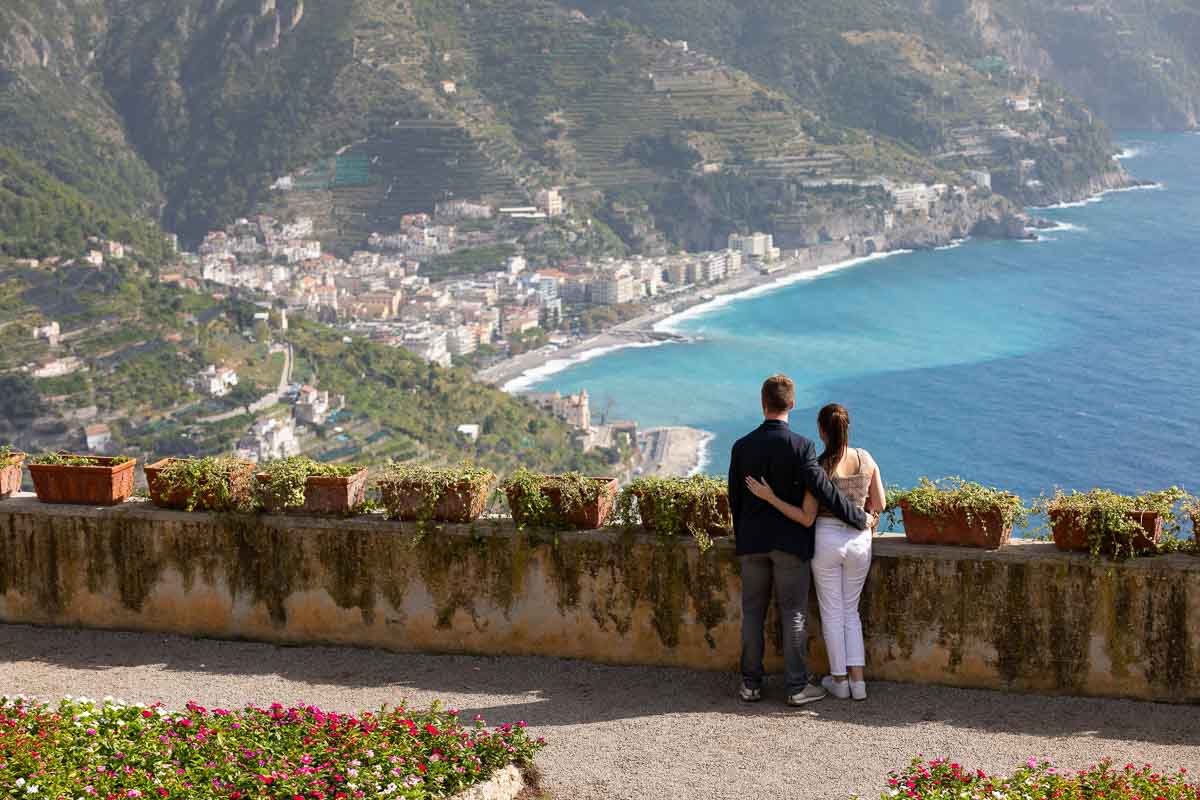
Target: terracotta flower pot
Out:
[956,528]
[464,502]
[180,497]
[591,515]
[105,484]
[328,494]
[10,475]
[694,516]
[1070,532]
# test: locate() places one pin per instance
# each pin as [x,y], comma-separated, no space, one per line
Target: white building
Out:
[615,288]
[216,381]
[469,432]
[312,406]
[58,367]
[428,343]
[50,333]
[756,245]
[573,409]
[270,439]
[94,258]
[981,178]
[516,265]
[550,201]
[98,437]
[462,340]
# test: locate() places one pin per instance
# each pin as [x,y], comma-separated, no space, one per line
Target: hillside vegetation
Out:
[377,108]
[139,341]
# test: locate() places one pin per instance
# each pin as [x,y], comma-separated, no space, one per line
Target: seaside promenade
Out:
[621,732]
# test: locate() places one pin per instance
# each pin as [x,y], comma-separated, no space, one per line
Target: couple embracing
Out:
[801,518]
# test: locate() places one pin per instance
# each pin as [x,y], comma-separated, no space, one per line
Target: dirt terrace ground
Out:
[622,732]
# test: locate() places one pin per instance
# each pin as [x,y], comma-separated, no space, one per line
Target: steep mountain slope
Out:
[1135,62]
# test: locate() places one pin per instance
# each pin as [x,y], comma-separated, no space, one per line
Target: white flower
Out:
[31,789]
[20,782]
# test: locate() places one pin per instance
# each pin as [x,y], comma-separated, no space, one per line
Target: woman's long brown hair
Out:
[834,422]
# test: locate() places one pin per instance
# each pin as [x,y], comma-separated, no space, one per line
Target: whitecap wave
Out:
[703,454]
[531,377]
[1062,226]
[671,323]
[1099,198]
[1127,153]
[954,245]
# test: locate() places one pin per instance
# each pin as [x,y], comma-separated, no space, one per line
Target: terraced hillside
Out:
[130,344]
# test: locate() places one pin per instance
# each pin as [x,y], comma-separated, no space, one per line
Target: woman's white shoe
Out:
[858,690]
[839,689]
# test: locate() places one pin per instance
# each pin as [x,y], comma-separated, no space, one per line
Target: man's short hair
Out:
[778,394]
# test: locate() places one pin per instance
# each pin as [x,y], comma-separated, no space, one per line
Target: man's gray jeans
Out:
[791,577]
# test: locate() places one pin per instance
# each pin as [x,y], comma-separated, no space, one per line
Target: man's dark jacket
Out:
[788,462]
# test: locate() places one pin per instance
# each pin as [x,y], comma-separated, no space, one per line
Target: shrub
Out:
[85,749]
[432,486]
[548,501]
[1038,780]
[1111,521]
[951,495]
[209,484]
[697,506]
[286,478]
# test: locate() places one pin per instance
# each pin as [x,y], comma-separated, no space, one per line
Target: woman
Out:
[843,554]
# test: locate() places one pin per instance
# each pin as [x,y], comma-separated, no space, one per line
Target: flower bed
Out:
[109,750]
[1039,780]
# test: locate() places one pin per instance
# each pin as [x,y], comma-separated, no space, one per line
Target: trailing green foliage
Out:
[697,506]
[1113,523]
[423,492]
[7,453]
[954,495]
[548,501]
[286,478]
[210,484]
[66,460]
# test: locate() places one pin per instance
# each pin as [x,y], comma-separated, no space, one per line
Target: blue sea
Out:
[1073,361]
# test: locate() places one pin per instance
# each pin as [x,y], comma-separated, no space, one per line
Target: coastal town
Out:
[508,316]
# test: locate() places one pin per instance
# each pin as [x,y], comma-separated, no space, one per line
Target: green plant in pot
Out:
[422,493]
[697,506]
[215,483]
[559,501]
[953,511]
[82,479]
[1105,522]
[300,483]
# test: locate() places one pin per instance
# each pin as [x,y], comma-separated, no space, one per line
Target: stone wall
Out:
[1025,618]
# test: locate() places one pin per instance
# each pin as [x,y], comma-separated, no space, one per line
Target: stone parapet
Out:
[1026,618]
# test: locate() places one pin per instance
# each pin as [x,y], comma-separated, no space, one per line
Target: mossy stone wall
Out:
[1025,618]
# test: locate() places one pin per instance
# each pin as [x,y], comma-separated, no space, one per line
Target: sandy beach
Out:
[655,327]
[674,452]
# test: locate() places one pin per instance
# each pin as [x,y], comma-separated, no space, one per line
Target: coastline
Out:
[661,326]
[658,326]
[675,451]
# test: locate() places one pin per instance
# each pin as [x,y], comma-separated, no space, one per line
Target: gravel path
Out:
[621,732]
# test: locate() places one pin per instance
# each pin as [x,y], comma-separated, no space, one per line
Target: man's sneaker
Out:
[858,690]
[839,689]
[748,694]
[810,694]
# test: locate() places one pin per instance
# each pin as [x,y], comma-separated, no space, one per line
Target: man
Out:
[773,549]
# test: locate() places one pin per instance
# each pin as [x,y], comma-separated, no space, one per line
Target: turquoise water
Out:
[1068,362]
